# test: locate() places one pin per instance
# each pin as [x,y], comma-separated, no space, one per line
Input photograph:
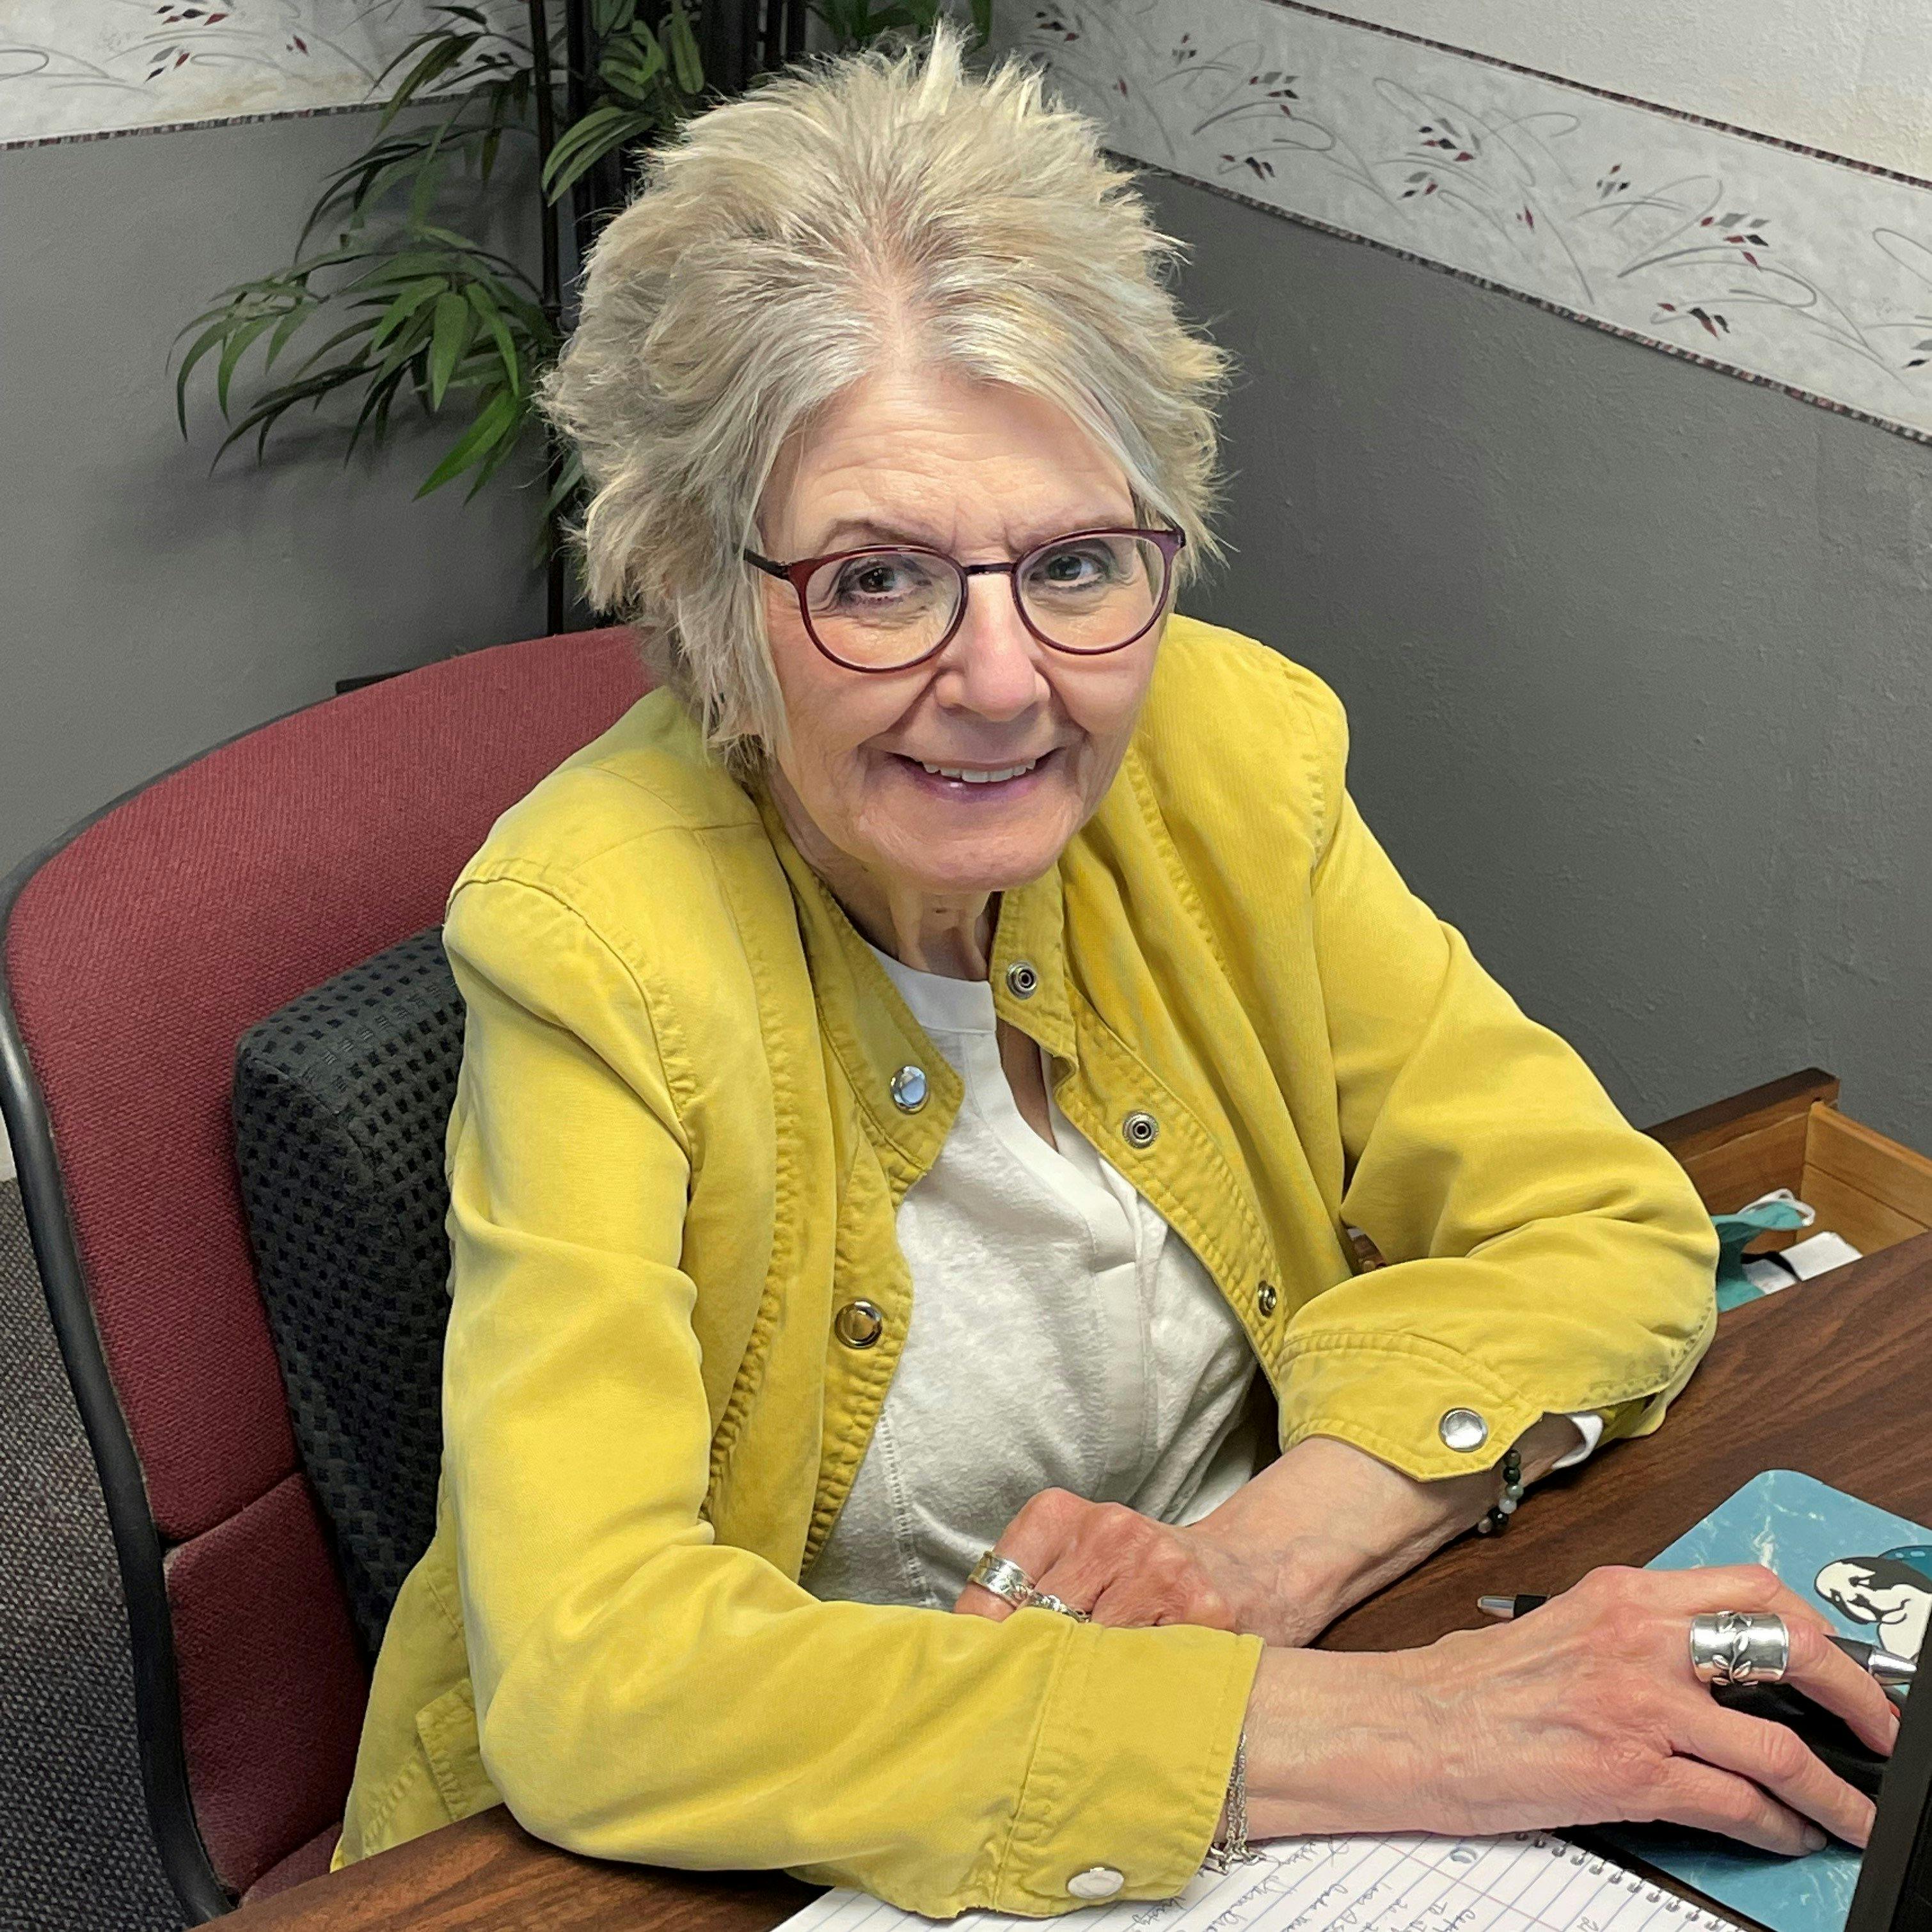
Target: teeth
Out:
[981,777]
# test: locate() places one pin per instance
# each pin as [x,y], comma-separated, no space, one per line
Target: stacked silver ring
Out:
[1739,1647]
[1045,1600]
[1004,1577]
[1012,1584]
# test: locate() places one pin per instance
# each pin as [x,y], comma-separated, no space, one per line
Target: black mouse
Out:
[1829,1737]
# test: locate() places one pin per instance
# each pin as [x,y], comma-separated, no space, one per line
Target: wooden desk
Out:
[1827,1377]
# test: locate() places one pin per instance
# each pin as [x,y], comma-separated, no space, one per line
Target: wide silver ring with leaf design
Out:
[1739,1647]
[1004,1577]
[1045,1600]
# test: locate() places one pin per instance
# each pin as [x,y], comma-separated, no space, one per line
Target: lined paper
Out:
[1523,1882]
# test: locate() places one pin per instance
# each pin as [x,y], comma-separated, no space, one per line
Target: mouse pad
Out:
[1870,1573]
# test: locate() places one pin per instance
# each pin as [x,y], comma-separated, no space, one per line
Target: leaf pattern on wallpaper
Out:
[1810,272]
[71,67]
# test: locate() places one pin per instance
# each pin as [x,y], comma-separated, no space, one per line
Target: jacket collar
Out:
[870,1027]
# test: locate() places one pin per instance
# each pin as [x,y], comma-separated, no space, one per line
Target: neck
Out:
[948,933]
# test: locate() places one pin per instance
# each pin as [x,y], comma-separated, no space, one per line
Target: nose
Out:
[993,667]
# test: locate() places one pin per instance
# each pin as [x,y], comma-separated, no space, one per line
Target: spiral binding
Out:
[1693,1916]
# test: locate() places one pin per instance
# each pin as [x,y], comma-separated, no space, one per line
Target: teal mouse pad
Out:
[1870,1573]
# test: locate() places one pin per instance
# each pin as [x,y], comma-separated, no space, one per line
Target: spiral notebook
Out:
[1524,1882]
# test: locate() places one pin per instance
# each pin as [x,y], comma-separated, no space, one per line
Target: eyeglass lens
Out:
[882,607]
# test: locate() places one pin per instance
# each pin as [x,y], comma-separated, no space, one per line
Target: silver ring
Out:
[1045,1600]
[1004,1578]
[1739,1647]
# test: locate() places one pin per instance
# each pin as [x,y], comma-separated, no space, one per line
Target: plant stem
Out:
[552,286]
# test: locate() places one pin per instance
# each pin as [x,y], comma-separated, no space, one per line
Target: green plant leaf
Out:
[232,350]
[268,410]
[203,344]
[454,330]
[491,318]
[286,328]
[570,480]
[684,55]
[374,414]
[632,75]
[497,419]
[441,52]
[405,304]
[586,143]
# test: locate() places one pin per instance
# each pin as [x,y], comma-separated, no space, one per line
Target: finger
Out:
[1829,1677]
[1710,1800]
[1739,1586]
[1817,1667]
[1045,1526]
[1779,1761]
[1110,1545]
[1139,1600]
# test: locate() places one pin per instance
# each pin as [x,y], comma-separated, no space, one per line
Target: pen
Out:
[1893,1672]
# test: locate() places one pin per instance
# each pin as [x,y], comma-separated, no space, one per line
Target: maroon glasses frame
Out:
[798,576]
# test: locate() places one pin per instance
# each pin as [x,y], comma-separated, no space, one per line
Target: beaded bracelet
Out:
[1499,1512]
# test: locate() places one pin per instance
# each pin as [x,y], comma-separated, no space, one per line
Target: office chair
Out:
[134,953]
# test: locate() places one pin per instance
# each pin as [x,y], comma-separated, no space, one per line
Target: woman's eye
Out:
[1073,569]
[879,579]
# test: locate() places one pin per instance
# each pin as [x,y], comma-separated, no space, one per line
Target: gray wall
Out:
[1638,657]
[150,609]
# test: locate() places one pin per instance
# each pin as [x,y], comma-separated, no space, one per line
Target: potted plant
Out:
[390,296]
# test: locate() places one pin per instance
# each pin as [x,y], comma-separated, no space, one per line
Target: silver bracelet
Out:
[1230,1845]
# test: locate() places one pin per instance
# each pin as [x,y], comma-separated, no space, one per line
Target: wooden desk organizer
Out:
[1872,1191]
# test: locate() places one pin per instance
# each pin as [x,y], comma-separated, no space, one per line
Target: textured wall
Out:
[1638,658]
[151,608]
[1846,76]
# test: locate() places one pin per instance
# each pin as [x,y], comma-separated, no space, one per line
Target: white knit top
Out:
[1063,1336]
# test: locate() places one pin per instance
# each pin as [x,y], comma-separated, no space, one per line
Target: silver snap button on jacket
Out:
[909,1089]
[1266,1298]
[859,1324]
[1139,1129]
[1096,1881]
[1463,1429]
[1022,982]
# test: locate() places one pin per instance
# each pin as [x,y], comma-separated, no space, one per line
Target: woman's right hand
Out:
[1584,1712]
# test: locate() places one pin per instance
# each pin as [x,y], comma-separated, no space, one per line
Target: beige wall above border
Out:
[1851,77]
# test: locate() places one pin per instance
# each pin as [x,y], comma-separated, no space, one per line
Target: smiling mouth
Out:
[968,775]
[975,776]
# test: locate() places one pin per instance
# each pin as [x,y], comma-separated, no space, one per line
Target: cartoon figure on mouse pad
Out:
[1892,1592]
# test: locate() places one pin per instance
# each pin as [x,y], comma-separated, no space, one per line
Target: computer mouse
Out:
[1829,1737]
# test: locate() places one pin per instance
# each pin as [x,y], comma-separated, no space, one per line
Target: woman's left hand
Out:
[1320,1528]
[1117,1565]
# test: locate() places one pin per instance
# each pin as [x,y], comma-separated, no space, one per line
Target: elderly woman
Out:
[923,1064]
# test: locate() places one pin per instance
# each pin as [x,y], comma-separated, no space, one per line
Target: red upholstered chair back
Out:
[135,954]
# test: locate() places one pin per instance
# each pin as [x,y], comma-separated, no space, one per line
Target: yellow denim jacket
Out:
[676,1156]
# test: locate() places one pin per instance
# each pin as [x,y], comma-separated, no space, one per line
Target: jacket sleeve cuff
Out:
[1131,1766]
[1334,1381]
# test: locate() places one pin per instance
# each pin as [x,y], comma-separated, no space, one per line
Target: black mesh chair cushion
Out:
[340,1102]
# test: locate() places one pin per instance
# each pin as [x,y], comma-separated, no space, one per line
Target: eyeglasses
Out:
[891,606]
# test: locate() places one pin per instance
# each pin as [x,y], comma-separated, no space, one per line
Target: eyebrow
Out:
[867,529]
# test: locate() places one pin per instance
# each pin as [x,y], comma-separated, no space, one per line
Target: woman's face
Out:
[983,472]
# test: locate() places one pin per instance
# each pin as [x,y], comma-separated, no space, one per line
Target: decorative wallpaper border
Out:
[1787,267]
[84,69]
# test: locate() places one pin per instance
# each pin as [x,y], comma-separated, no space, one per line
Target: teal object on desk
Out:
[1736,1231]
[1870,1573]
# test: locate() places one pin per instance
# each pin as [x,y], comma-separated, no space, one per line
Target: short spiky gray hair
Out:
[844,214]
